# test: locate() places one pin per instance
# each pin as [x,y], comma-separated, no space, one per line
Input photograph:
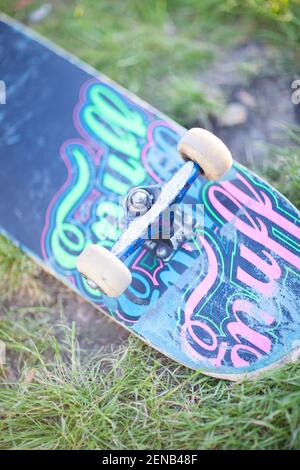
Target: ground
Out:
[74,379]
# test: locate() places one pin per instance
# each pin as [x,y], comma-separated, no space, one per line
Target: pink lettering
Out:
[239,330]
[270,270]
[237,360]
[261,204]
[255,230]
[195,298]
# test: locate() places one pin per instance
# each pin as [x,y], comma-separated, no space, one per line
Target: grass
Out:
[131,401]
[284,169]
[53,394]
[16,270]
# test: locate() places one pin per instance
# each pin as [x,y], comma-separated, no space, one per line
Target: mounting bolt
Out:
[161,252]
[138,201]
[91,284]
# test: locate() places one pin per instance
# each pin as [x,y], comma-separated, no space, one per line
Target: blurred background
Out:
[226,65]
[223,64]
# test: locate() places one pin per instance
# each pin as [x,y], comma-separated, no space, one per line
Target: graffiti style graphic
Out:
[227,300]
[263,269]
[232,304]
[120,146]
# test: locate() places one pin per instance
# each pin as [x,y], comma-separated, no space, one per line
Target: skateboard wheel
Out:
[207,150]
[101,266]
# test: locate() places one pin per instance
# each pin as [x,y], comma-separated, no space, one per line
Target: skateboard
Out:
[202,266]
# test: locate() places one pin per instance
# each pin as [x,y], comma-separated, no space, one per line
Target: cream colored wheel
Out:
[207,150]
[101,266]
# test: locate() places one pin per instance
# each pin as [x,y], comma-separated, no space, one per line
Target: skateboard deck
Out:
[72,144]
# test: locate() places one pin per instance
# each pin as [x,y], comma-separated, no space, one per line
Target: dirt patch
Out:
[253,75]
[94,329]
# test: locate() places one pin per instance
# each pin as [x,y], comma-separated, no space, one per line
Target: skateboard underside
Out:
[72,144]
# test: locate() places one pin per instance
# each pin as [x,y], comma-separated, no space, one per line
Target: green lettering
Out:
[113,136]
[61,242]
[113,109]
[129,169]
[107,229]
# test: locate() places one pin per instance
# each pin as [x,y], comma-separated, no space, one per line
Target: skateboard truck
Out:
[105,269]
[139,201]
